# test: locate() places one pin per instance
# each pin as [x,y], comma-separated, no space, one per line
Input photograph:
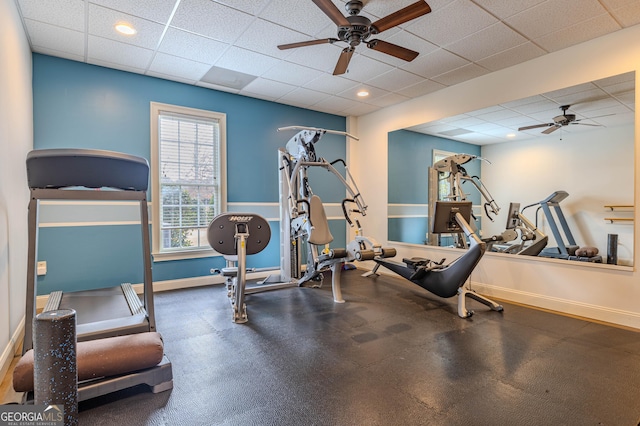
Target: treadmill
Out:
[74,174]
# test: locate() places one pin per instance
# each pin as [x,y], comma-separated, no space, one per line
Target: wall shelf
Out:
[620,207]
[619,219]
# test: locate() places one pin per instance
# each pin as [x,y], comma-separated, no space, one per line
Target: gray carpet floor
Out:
[392,355]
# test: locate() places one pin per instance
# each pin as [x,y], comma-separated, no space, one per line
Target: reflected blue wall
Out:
[410,154]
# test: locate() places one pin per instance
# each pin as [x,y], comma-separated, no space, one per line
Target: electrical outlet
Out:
[42,268]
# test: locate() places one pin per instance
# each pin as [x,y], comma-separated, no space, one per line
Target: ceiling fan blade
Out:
[307,43]
[392,49]
[535,126]
[343,60]
[332,11]
[587,124]
[403,15]
[551,129]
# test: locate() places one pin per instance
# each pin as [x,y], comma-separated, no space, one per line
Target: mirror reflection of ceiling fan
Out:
[562,120]
[355,29]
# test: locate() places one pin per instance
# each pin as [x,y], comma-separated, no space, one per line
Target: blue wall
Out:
[77,105]
[410,156]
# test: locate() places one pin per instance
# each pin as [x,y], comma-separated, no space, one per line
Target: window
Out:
[187,178]
[444,185]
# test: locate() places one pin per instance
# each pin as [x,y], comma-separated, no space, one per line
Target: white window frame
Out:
[156,110]
[443,186]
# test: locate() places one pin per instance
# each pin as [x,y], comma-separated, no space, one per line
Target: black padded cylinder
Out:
[55,373]
[612,249]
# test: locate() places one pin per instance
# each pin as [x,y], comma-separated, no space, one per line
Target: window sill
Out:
[183,255]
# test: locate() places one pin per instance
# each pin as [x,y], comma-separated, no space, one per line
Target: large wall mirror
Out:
[573,147]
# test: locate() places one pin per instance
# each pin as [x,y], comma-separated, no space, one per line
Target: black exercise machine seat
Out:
[449,280]
[442,281]
[75,174]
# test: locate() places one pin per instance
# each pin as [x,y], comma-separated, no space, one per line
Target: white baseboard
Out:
[11,349]
[563,306]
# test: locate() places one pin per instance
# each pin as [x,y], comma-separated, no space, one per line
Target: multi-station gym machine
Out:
[304,229]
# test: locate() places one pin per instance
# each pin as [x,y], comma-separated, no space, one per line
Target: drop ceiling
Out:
[608,102]
[231,45]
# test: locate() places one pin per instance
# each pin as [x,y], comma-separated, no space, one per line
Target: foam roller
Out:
[55,373]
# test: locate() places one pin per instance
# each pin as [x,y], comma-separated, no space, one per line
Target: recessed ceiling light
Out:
[363,93]
[511,135]
[125,29]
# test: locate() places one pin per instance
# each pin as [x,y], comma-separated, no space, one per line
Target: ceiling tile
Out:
[629,14]
[265,37]
[252,7]
[262,86]
[457,20]
[114,52]
[374,93]
[153,10]
[582,31]
[504,8]
[190,46]
[179,67]
[510,57]
[246,61]
[304,17]
[302,96]
[337,103]
[63,13]
[216,87]
[435,63]
[458,75]
[288,72]
[55,38]
[102,22]
[420,89]
[170,77]
[486,42]
[112,65]
[331,84]
[198,16]
[362,68]
[390,99]
[58,54]
[360,109]
[322,57]
[395,80]
[553,15]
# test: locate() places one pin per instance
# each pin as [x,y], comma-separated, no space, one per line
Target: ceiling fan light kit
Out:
[355,29]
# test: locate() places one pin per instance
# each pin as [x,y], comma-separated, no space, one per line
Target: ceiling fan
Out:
[355,29]
[560,121]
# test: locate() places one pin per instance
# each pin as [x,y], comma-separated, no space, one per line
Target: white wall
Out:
[16,139]
[606,293]
[595,167]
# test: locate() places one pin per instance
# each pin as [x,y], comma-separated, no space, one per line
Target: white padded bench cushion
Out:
[106,357]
